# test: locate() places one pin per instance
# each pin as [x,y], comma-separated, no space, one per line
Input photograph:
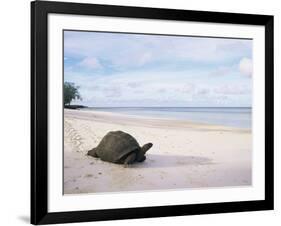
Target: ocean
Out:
[240,117]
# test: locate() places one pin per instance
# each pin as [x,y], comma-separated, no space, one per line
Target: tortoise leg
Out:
[93,153]
[130,160]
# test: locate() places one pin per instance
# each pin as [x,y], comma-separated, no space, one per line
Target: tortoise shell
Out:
[116,146]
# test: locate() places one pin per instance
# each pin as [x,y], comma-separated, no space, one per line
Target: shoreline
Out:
[184,155]
[149,121]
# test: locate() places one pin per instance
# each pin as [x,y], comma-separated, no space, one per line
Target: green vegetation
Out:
[70,93]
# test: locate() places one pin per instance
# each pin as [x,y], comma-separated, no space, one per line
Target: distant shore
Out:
[184,155]
[74,107]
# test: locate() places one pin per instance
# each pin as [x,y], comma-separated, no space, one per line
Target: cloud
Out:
[112,92]
[188,88]
[246,66]
[134,51]
[90,62]
[144,58]
[162,90]
[233,89]
[133,84]
[146,88]
[203,91]
[221,71]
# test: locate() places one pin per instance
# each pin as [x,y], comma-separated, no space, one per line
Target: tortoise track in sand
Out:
[72,136]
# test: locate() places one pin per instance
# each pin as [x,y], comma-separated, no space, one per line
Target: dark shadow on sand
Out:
[159,161]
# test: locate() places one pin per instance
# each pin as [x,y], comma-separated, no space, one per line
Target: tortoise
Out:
[121,148]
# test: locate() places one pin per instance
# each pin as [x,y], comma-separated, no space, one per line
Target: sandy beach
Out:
[184,154]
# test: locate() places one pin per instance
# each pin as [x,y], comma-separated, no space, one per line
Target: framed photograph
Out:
[145,112]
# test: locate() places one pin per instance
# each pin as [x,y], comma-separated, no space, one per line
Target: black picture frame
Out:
[39,112]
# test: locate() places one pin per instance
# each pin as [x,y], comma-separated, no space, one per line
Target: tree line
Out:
[71,92]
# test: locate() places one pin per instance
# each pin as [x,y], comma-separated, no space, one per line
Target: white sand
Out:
[184,154]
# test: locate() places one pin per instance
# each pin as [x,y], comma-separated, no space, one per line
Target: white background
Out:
[15,113]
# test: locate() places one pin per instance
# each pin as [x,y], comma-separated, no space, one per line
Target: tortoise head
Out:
[141,154]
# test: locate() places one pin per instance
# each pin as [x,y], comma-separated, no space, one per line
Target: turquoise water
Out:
[226,116]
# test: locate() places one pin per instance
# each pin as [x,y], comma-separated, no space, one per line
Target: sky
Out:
[137,70]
